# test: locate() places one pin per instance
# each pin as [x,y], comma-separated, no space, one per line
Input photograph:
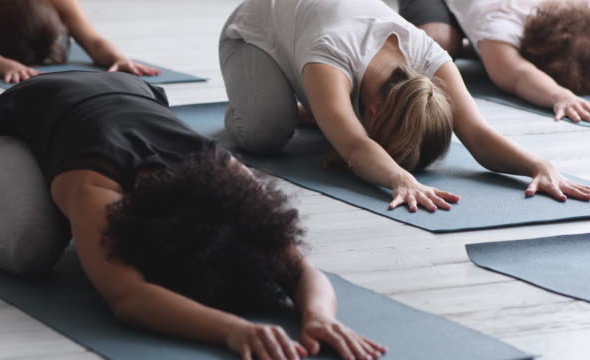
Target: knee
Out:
[447,36]
[265,130]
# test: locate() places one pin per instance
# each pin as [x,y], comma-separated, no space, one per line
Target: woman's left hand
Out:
[349,344]
[547,179]
[129,66]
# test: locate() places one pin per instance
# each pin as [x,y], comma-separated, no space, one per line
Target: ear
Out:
[370,113]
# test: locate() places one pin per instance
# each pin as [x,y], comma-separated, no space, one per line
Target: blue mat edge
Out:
[475,261]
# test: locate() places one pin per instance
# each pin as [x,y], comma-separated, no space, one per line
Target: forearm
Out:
[314,295]
[537,87]
[498,154]
[372,163]
[155,308]
[103,52]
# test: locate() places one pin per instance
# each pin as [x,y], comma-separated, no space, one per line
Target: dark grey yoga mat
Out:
[560,264]
[480,86]
[67,303]
[488,200]
[79,60]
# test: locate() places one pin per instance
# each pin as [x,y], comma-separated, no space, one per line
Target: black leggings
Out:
[420,12]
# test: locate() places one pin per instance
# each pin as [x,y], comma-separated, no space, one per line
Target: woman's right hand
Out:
[570,105]
[266,342]
[407,190]
[15,72]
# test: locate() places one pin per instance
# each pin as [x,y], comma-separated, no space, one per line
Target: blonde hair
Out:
[415,121]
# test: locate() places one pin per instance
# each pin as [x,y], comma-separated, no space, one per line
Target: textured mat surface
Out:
[488,200]
[67,303]
[79,60]
[560,264]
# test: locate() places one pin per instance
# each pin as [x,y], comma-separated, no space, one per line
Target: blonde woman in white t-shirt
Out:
[370,80]
[537,50]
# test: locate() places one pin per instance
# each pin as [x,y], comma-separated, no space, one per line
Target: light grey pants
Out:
[33,234]
[262,113]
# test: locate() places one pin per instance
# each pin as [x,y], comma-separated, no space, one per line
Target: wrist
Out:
[235,327]
[561,95]
[316,314]
[538,166]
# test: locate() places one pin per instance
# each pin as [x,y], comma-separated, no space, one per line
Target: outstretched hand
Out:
[572,106]
[407,190]
[129,66]
[349,344]
[550,181]
[265,342]
[15,72]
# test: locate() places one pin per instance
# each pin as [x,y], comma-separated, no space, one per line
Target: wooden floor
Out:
[427,271]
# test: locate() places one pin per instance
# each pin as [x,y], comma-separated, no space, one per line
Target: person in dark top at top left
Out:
[36,31]
[170,229]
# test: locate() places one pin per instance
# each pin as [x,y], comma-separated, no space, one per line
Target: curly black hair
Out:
[557,40]
[207,230]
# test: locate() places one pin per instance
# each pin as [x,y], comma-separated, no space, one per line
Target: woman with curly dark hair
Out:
[35,31]
[170,229]
[537,50]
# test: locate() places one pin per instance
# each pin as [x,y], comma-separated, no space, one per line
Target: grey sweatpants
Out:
[33,233]
[262,113]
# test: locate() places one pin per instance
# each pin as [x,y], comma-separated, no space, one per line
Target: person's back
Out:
[114,123]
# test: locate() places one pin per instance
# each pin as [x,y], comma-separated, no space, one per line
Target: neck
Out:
[387,59]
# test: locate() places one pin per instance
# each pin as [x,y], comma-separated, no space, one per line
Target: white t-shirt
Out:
[501,20]
[345,34]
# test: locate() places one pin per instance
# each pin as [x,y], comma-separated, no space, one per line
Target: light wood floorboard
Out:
[427,271]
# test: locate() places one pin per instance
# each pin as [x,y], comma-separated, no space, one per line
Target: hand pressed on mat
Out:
[408,190]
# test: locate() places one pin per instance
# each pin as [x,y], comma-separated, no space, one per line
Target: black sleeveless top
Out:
[112,123]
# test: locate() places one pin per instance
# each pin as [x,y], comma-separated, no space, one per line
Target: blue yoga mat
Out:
[489,200]
[560,264]
[79,60]
[480,86]
[67,303]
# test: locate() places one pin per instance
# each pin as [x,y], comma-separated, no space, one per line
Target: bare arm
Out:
[514,74]
[100,49]
[316,300]
[495,151]
[328,91]
[139,303]
[13,71]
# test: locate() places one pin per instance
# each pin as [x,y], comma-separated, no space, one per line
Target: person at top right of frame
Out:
[536,50]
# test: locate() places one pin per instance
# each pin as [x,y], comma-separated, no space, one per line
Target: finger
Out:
[114,68]
[586,105]
[573,114]
[447,196]
[287,344]
[273,346]
[312,345]
[300,349]
[338,343]
[584,115]
[575,193]
[532,189]
[260,350]
[556,192]
[559,113]
[24,75]
[246,353]
[441,203]
[134,70]
[374,353]
[396,202]
[412,203]
[583,188]
[353,345]
[426,202]
[382,349]
[16,78]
